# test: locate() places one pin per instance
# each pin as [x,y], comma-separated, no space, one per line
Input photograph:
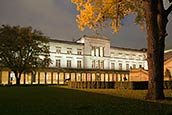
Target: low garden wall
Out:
[137,85]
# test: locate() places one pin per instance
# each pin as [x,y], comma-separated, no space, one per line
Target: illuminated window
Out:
[102,65]
[119,54]
[69,50]
[57,63]
[68,63]
[120,66]
[134,66]
[127,56]
[78,64]
[93,64]
[79,51]
[98,64]
[58,50]
[133,56]
[127,66]
[112,65]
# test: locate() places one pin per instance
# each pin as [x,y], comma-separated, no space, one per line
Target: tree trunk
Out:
[17,81]
[155,53]
[18,76]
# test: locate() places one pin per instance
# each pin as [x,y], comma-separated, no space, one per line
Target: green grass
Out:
[53,100]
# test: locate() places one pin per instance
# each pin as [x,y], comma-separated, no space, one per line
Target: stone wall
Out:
[138,75]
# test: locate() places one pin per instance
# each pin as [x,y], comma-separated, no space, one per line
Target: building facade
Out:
[94,52]
[90,62]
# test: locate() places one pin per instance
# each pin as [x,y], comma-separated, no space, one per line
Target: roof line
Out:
[141,50]
[63,41]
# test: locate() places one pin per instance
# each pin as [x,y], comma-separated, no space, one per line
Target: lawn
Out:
[56,100]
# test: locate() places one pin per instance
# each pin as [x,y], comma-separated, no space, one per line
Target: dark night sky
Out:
[56,19]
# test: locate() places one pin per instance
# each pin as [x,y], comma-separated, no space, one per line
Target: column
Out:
[121,80]
[97,79]
[32,78]
[116,76]
[9,80]
[94,51]
[128,77]
[109,80]
[116,83]
[69,80]
[104,81]
[108,77]
[99,52]
[24,78]
[112,77]
[0,76]
[45,77]
[81,81]
[125,81]
[58,77]
[112,82]
[38,77]
[91,83]
[75,83]
[86,80]
[121,77]
[64,77]
[52,77]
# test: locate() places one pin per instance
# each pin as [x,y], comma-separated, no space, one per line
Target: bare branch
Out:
[169,10]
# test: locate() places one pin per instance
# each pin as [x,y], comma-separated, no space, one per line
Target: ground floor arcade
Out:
[74,77]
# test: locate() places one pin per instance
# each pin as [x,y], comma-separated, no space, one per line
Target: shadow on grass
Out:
[59,100]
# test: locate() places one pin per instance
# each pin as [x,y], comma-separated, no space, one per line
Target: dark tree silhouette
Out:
[23,49]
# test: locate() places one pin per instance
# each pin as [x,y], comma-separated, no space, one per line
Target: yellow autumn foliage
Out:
[100,13]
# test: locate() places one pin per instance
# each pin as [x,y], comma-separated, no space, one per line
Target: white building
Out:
[94,52]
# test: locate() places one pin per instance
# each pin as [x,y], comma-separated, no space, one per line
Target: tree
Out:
[23,49]
[101,13]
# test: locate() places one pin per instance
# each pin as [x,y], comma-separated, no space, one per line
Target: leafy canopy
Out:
[22,48]
[101,13]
